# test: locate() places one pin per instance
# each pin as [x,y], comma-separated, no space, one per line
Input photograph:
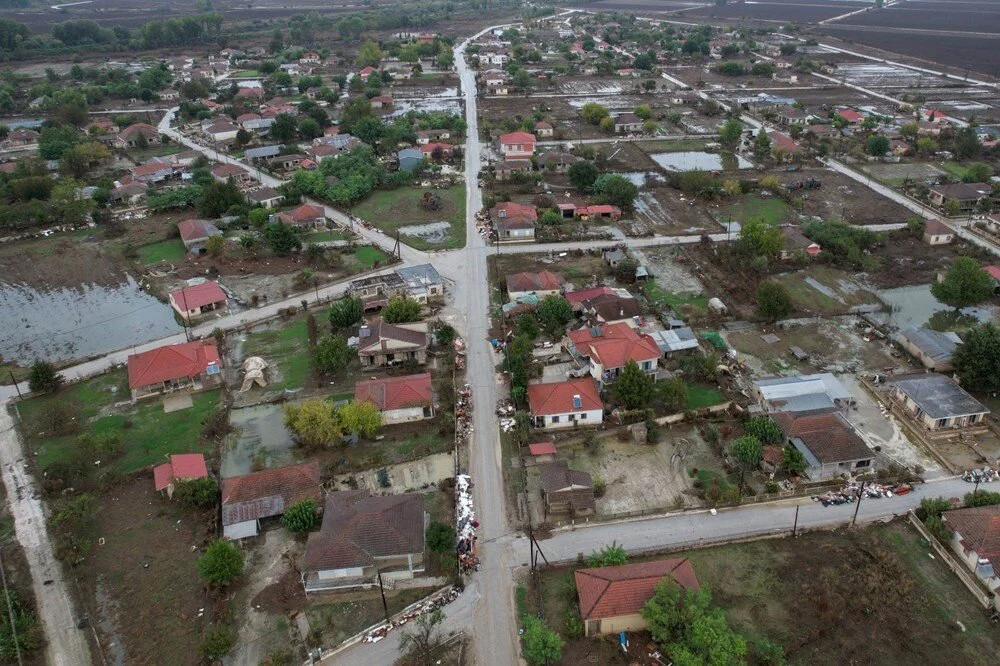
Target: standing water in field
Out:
[689,160]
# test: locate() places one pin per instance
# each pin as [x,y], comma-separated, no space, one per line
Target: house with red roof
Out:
[437,150]
[251,498]
[306,215]
[542,452]
[224,172]
[194,233]
[543,130]
[784,143]
[541,284]
[399,399]
[607,349]
[193,302]
[976,540]
[182,467]
[130,136]
[516,145]
[577,298]
[513,221]
[565,404]
[994,272]
[851,116]
[612,598]
[381,102]
[366,72]
[191,366]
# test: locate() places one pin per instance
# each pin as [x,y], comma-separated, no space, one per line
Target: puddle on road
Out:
[689,160]
[259,441]
[71,323]
[433,232]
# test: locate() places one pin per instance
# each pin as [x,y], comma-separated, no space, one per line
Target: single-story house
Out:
[795,240]
[376,290]
[599,212]
[829,444]
[937,233]
[514,221]
[129,194]
[362,537]
[541,284]
[674,340]
[556,161]
[423,282]
[968,195]
[932,348]
[427,136]
[399,399]
[268,197]
[192,302]
[792,115]
[976,540]
[851,116]
[436,150]
[129,137]
[937,402]
[248,499]
[224,172]
[306,215]
[191,366]
[578,298]
[262,152]
[607,309]
[802,393]
[286,162]
[220,130]
[612,598]
[507,168]
[784,143]
[565,404]
[386,344]
[182,467]
[381,102]
[566,491]
[194,233]
[543,129]
[517,145]
[607,349]
[627,123]
[409,159]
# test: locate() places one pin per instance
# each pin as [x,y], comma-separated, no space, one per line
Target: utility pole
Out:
[861,494]
[385,606]
[18,389]
[795,524]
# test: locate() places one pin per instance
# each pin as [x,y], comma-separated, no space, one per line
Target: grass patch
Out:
[700,396]
[155,151]
[681,301]
[340,620]
[391,209]
[769,209]
[246,72]
[324,236]
[807,298]
[287,350]
[171,250]
[147,432]
[669,146]
[366,256]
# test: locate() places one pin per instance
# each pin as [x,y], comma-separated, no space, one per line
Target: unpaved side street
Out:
[66,644]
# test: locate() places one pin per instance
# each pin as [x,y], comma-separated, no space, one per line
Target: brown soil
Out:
[284,596]
[908,260]
[841,197]
[194,266]
[53,263]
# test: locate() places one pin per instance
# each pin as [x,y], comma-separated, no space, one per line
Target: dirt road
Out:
[66,644]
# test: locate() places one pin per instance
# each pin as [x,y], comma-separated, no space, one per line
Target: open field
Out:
[287,352]
[171,250]
[874,596]
[400,210]
[962,52]
[821,290]
[964,16]
[147,433]
[778,12]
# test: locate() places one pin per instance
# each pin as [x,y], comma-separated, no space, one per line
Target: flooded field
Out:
[916,306]
[692,159]
[259,441]
[67,323]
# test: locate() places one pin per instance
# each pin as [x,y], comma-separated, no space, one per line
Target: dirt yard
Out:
[580,270]
[869,596]
[907,260]
[843,198]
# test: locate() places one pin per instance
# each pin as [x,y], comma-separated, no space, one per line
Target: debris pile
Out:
[851,491]
[463,412]
[466,545]
[483,225]
[505,410]
[984,475]
[434,601]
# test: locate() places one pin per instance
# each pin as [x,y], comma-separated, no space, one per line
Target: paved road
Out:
[66,644]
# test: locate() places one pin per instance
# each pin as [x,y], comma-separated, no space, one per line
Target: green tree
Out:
[281,238]
[284,128]
[401,310]
[440,537]
[300,517]
[218,642]
[932,507]
[878,145]
[309,129]
[644,111]
[332,353]
[214,245]
[762,146]
[221,563]
[217,198]
[730,133]
[764,429]
[773,301]
[634,387]
[981,498]
[540,645]
[671,393]
[555,312]
[527,325]
[313,421]
[610,556]
[363,418]
[977,359]
[583,174]
[202,493]
[43,378]
[684,623]
[757,238]
[54,142]
[746,452]
[966,283]
[346,312]
[593,113]
[369,55]
[625,270]
[617,190]
[975,173]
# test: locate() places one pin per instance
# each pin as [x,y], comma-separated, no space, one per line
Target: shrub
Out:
[218,641]
[574,623]
[43,378]
[982,498]
[932,506]
[440,537]
[202,493]
[300,517]
[221,564]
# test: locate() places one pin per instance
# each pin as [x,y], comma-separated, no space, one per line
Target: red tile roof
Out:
[784,142]
[267,493]
[542,449]
[151,168]
[396,392]
[557,397]
[588,294]
[979,528]
[138,128]
[541,281]
[937,228]
[828,436]
[850,115]
[181,466]
[189,359]
[623,590]
[192,298]
[517,137]
[994,272]
[615,345]
[304,213]
[227,170]
[192,230]
[513,215]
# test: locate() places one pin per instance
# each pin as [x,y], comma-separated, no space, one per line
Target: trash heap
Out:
[984,475]
[849,493]
[436,600]
[463,412]
[459,353]
[505,410]
[483,224]
[465,548]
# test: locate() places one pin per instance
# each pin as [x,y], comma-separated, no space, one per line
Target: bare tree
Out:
[421,644]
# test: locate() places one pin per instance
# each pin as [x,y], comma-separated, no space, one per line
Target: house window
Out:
[942,423]
[555,419]
[583,417]
[863,463]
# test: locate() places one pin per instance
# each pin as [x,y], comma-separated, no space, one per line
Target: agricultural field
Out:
[962,53]
[775,11]
[943,16]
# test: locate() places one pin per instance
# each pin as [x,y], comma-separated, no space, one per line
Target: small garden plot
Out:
[754,207]
[369,256]
[326,236]
[99,408]
[425,219]
[821,290]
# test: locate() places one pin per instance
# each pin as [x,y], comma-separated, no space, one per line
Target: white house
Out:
[565,404]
